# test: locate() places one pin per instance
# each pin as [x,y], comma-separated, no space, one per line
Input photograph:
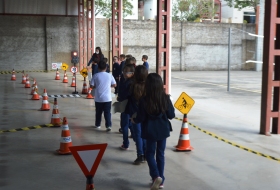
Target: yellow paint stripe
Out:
[26,128]
[232,143]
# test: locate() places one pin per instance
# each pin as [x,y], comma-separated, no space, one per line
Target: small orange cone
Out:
[55,115]
[89,96]
[73,84]
[85,89]
[57,77]
[23,78]
[65,141]
[35,95]
[13,75]
[65,79]
[45,102]
[34,85]
[27,84]
[184,139]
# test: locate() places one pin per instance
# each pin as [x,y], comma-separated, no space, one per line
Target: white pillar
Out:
[259,41]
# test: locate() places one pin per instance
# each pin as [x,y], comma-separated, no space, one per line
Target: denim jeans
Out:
[140,143]
[156,166]
[125,123]
[101,107]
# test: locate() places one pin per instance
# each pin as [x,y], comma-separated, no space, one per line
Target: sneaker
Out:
[139,160]
[123,148]
[108,128]
[120,130]
[97,127]
[156,183]
[161,186]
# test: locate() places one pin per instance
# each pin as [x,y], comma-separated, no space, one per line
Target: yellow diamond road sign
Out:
[83,72]
[184,103]
[64,66]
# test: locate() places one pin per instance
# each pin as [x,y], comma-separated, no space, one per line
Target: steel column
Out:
[270,101]
[117,28]
[163,41]
[90,29]
[82,41]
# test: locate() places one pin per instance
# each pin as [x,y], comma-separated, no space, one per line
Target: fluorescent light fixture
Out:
[255,35]
[251,61]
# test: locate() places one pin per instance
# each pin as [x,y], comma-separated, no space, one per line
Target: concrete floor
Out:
[27,159]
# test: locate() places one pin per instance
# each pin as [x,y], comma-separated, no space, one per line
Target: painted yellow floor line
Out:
[232,143]
[221,85]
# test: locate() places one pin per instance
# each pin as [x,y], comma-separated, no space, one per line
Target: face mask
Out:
[97,52]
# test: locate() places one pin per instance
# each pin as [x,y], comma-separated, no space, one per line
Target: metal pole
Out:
[229,52]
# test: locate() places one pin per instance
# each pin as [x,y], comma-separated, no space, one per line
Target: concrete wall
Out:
[33,43]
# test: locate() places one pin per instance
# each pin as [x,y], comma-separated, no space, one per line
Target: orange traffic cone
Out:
[85,89]
[57,77]
[184,139]
[55,114]
[45,102]
[27,77]
[35,95]
[89,96]
[27,84]
[65,141]
[73,84]
[13,75]
[65,79]
[34,85]
[23,78]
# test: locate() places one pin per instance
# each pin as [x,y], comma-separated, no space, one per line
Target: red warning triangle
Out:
[88,157]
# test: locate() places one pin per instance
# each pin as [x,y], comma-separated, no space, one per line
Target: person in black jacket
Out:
[116,72]
[155,110]
[124,94]
[98,56]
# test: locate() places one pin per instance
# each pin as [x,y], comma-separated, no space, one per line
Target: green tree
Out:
[240,4]
[104,7]
[191,10]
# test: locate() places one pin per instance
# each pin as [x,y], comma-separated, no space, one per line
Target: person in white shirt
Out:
[102,82]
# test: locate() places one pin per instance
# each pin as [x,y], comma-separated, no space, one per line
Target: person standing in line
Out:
[124,94]
[122,60]
[155,110]
[102,82]
[107,65]
[145,62]
[116,72]
[137,91]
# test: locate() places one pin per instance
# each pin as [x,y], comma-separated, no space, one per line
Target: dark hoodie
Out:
[155,127]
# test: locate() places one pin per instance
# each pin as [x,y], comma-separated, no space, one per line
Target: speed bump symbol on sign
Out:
[184,103]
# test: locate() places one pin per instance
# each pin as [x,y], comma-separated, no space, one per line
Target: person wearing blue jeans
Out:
[156,166]
[125,123]
[100,108]
[154,111]
[140,143]
[123,94]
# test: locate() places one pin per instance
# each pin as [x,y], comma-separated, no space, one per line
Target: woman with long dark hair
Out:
[155,110]
[137,91]
[97,56]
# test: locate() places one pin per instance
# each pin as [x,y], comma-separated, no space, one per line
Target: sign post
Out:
[88,158]
[74,71]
